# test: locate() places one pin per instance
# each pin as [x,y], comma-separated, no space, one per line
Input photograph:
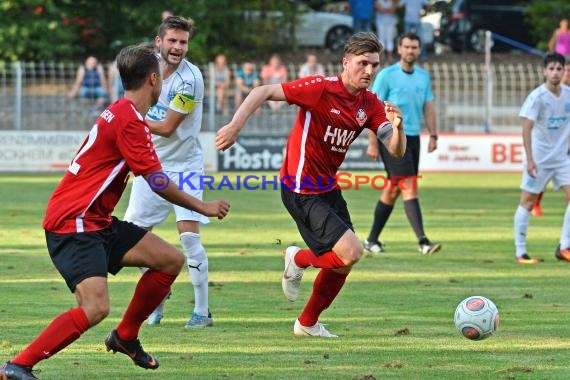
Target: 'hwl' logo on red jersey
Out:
[361,117]
[338,137]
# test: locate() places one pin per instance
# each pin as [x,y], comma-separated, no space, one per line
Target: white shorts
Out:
[148,209]
[560,176]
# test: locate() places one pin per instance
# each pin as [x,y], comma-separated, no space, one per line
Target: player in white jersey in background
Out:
[546,129]
[537,209]
[175,122]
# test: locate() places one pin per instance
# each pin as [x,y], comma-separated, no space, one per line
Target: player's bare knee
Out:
[96,312]
[527,203]
[409,193]
[390,196]
[168,260]
[357,253]
[350,261]
[180,261]
[176,263]
[351,256]
[102,313]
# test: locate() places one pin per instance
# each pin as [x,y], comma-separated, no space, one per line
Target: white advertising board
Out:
[473,153]
[33,151]
[39,151]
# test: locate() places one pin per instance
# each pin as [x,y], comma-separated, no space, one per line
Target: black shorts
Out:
[406,166]
[322,219]
[78,256]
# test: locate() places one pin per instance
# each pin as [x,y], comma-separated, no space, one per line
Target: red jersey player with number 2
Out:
[333,111]
[85,241]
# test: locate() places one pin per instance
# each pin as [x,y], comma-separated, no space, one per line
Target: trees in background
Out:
[545,16]
[65,30]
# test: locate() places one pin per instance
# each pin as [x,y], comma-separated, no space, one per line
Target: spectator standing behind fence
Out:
[413,21]
[222,78]
[116,89]
[560,40]
[546,129]
[311,67]
[386,23]
[274,72]
[408,86]
[90,82]
[247,78]
[362,12]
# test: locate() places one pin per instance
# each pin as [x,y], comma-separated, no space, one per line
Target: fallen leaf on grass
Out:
[394,364]
[517,369]
[404,331]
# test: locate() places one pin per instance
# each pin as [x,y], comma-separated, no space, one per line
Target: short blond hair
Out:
[362,42]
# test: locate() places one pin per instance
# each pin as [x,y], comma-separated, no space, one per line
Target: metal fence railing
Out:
[33,97]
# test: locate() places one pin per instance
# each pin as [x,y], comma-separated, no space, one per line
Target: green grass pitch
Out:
[394,315]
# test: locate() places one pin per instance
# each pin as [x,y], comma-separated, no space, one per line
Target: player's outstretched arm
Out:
[169,191]
[227,135]
[397,144]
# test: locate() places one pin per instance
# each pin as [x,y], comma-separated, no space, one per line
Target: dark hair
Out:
[176,23]
[363,42]
[554,57]
[409,36]
[135,63]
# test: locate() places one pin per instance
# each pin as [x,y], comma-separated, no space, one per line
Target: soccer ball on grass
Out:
[476,318]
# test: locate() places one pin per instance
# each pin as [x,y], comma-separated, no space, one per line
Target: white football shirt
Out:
[551,116]
[182,91]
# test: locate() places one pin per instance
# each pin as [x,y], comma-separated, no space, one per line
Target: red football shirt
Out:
[119,142]
[329,120]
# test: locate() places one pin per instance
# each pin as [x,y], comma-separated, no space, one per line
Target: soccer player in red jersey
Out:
[85,241]
[333,111]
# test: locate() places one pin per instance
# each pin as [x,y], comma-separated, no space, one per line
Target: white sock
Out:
[197,269]
[522,216]
[160,308]
[565,235]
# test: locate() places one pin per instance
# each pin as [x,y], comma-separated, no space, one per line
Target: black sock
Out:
[414,214]
[381,215]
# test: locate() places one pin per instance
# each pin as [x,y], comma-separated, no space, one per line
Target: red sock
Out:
[538,199]
[151,289]
[306,258]
[60,333]
[326,287]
